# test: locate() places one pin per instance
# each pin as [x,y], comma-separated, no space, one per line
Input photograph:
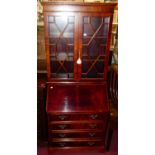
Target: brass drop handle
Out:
[62,144]
[91,143]
[92,134]
[62,126]
[92,126]
[93,116]
[62,135]
[62,117]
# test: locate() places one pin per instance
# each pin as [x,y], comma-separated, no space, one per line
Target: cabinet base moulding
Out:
[89,150]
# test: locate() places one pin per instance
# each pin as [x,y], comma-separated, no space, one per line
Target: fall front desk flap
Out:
[77,98]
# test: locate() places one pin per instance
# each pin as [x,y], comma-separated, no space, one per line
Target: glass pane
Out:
[95,33]
[61,44]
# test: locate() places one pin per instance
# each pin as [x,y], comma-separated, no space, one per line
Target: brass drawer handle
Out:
[62,117]
[92,134]
[62,144]
[62,135]
[93,116]
[92,126]
[91,143]
[62,126]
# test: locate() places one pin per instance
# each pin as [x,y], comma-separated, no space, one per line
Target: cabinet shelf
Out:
[90,60]
[62,76]
[56,44]
[96,37]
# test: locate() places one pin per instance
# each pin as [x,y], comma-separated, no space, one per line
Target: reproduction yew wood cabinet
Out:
[77,39]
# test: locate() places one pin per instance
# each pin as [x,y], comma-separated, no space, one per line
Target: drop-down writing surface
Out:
[77,98]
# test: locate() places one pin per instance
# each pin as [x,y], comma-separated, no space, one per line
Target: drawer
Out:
[93,116]
[70,117]
[62,117]
[88,125]
[75,143]
[70,134]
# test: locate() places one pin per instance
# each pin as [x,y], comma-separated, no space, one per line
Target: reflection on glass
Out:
[61,43]
[95,32]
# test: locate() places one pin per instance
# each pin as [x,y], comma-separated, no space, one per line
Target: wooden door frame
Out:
[81,15]
[46,15]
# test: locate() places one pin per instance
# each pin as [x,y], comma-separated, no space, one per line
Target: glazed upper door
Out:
[61,45]
[94,45]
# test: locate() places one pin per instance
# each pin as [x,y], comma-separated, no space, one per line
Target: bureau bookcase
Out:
[77,41]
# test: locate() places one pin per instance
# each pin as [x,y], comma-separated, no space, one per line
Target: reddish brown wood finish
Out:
[77,107]
[77,111]
[78,10]
[77,134]
[67,150]
[78,7]
[77,98]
